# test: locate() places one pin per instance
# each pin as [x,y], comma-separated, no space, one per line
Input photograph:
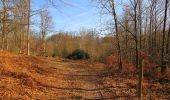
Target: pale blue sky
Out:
[67,18]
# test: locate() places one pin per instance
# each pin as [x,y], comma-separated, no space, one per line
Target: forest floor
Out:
[23,77]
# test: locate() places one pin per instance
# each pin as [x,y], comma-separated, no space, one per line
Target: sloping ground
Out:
[23,77]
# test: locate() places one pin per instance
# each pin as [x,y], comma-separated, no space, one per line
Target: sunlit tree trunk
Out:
[17,21]
[28,30]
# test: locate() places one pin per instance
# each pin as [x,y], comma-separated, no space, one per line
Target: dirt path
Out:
[43,78]
[80,82]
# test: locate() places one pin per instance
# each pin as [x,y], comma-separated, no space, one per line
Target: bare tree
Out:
[4,23]
[163,65]
[112,4]
[28,31]
[135,5]
[140,47]
[45,25]
[109,7]
[168,40]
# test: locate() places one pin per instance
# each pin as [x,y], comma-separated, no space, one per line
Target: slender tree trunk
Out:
[136,35]
[150,38]
[17,22]
[163,65]
[4,25]
[126,43]
[117,34]
[145,33]
[140,82]
[7,44]
[168,40]
[43,43]
[140,25]
[28,31]
[155,27]
[126,23]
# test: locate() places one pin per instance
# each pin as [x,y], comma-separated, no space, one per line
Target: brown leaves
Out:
[111,61]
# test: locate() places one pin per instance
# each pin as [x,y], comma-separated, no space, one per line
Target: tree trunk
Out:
[155,26]
[136,35]
[167,43]
[141,62]
[145,33]
[163,65]
[117,35]
[4,25]
[28,31]
[140,80]
[150,38]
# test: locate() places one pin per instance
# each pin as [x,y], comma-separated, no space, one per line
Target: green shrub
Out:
[78,55]
[53,55]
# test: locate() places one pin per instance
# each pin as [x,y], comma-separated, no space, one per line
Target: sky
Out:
[71,15]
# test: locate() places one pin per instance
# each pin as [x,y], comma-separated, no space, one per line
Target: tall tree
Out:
[4,21]
[163,65]
[28,30]
[155,26]
[45,25]
[168,40]
[112,4]
[140,47]
[135,32]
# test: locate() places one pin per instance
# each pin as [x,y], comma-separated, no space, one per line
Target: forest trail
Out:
[43,78]
[81,81]
[50,78]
